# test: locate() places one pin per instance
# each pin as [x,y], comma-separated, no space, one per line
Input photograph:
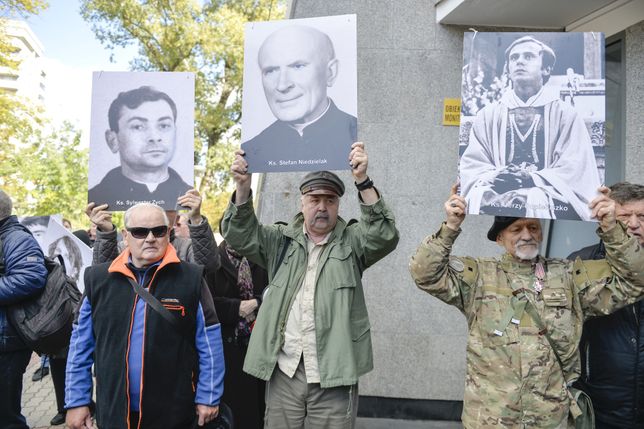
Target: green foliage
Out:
[21,7]
[204,37]
[42,168]
[47,175]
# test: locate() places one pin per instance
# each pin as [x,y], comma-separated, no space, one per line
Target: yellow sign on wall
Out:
[452,111]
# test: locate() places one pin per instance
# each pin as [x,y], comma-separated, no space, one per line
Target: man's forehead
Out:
[145,215]
[634,206]
[290,46]
[527,46]
[326,193]
[524,222]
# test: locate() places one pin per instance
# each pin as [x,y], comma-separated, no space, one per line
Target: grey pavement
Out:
[39,406]
[38,398]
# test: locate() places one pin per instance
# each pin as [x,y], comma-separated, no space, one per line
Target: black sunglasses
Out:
[140,232]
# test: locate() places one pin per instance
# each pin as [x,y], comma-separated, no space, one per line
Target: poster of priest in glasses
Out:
[141,138]
[531,139]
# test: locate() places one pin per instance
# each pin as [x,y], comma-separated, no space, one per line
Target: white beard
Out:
[526,255]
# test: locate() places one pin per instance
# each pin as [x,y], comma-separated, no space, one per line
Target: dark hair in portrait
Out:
[133,99]
[35,220]
[73,260]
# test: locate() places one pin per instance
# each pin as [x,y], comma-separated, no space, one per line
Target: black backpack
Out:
[44,321]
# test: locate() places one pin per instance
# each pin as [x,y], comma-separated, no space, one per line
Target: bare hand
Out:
[79,418]
[206,413]
[247,307]
[603,209]
[358,161]
[239,169]
[455,209]
[192,200]
[99,216]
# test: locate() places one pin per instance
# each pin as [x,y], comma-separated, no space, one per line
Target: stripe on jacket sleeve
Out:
[210,385]
[78,375]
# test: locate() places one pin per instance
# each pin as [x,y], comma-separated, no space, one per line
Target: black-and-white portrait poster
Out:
[299,103]
[532,123]
[141,138]
[59,243]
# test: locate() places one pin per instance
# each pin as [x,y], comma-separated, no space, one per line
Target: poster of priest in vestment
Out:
[532,124]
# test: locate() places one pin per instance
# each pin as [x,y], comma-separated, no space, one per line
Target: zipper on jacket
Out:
[635,313]
[127,360]
[587,361]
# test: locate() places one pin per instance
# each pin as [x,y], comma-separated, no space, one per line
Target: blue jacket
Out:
[23,276]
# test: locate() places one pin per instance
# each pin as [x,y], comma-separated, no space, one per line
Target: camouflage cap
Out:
[321,182]
[500,223]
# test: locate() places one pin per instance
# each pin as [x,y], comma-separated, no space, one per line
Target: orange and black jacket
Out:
[176,370]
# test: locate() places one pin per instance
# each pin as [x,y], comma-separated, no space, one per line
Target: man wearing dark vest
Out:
[612,347]
[150,373]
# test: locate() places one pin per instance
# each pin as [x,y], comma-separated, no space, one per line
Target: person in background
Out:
[91,232]
[181,226]
[237,286]
[612,347]
[22,275]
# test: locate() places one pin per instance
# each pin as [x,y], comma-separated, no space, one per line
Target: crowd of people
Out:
[170,324]
[273,321]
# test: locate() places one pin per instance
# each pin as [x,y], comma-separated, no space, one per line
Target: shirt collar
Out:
[324,241]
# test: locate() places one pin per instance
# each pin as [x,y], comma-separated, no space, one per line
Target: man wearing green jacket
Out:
[311,341]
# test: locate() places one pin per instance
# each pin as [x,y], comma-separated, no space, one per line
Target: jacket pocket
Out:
[360,330]
[176,308]
[558,318]
[555,297]
[338,270]
[489,324]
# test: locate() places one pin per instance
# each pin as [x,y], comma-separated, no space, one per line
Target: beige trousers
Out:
[292,403]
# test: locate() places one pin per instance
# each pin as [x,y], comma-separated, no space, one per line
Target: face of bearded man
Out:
[320,212]
[521,239]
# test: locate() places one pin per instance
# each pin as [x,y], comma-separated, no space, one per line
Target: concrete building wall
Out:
[407,65]
[634,44]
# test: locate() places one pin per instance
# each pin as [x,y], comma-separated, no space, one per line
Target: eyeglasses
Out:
[140,232]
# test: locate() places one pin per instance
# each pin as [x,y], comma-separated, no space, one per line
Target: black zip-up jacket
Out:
[179,367]
[612,361]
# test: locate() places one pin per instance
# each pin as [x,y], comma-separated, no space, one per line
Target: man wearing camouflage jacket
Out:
[513,378]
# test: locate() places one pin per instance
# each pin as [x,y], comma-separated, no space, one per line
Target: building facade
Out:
[28,81]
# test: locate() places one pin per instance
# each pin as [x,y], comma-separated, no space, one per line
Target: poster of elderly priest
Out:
[531,139]
[141,144]
[300,103]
